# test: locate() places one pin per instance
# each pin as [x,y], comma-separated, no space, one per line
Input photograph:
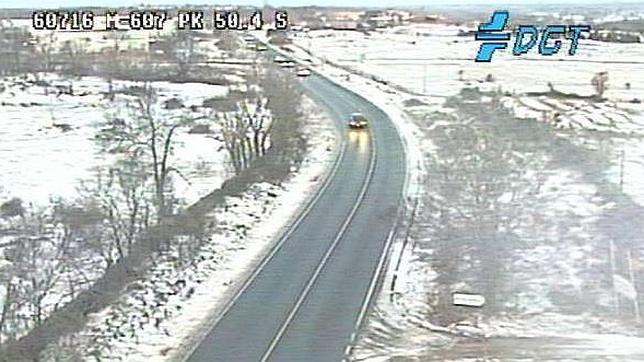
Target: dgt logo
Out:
[494,38]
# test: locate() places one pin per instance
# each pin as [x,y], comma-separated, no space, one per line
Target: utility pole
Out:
[621,171]
[308,36]
[424,79]
[613,272]
[631,274]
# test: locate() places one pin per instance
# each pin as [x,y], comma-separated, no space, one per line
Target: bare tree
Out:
[228,41]
[74,57]
[246,133]
[180,49]
[46,51]
[147,137]
[284,102]
[234,134]
[84,235]
[12,208]
[266,125]
[8,298]
[15,47]
[37,259]
[116,207]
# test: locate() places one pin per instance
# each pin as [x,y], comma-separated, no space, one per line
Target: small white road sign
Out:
[468,299]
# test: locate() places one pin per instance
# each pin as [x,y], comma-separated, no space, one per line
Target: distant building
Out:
[385,18]
[616,36]
[343,20]
[428,19]
[342,25]
[348,15]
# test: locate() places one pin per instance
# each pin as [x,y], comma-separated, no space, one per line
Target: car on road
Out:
[357,121]
[261,47]
[288,64]
[303,72]
[280,59]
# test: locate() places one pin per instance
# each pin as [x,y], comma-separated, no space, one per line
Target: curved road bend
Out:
[303,303]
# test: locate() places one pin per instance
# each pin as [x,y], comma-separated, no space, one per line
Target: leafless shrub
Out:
[228,41]
[246,133]
[149,138]
[40,265]
[120,199]
[16,50]
[12,208]
[284,103]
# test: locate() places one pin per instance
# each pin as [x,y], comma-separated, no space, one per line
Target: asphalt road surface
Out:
[304,301]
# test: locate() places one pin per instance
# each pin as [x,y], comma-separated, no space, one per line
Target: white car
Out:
[303,72]
[280,59]
[288,64]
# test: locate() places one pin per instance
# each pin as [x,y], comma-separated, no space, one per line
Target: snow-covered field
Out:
[49,144]
[50,152]
[426,59]
[159,317]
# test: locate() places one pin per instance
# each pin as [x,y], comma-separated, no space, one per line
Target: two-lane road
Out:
[303,302]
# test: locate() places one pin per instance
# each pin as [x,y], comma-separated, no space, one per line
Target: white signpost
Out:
[468,299]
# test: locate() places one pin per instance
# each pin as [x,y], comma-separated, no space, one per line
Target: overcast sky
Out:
[117,3]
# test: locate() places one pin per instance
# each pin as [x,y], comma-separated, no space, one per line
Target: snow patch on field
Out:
[580,114]
[48,142]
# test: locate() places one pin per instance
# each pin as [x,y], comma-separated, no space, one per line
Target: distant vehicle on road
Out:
[358,121]
[288,64]
[280,59]
[261,47]
[303,72]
